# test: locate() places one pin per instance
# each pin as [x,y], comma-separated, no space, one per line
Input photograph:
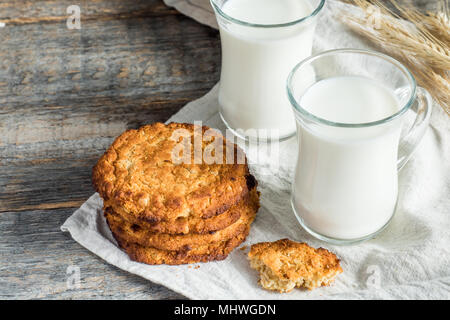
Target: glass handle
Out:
[408,143]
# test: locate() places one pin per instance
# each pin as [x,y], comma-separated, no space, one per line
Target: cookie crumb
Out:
[286,264]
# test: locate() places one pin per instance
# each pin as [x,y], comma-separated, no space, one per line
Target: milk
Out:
[345,183]
[256,62]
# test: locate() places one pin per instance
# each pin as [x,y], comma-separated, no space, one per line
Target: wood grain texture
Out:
[39,255]
[64,96]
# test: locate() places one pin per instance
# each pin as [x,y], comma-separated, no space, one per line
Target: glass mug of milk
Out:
[351,107]
[262,40]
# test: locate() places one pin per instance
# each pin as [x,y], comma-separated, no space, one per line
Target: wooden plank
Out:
[65,94]
[105,61]
[17,12]
[36,254]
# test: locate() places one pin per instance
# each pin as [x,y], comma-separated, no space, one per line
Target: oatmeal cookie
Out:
[136,234]
[191,224]
[285,264]
[138,173]
[210,252]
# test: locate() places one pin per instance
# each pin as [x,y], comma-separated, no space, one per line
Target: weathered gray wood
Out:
[65,94]
[45,11]
[35,256]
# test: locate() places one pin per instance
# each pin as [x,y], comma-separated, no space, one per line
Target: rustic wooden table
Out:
[64,95]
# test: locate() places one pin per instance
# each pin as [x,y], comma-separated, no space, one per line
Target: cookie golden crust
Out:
[138,175]
[285,264]
[183,225]
[135,234]
[210,252]
[191,224]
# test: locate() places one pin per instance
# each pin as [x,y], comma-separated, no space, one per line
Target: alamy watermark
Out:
[374,17]
[73,280]
[74,19]
[210,146]
[374,276]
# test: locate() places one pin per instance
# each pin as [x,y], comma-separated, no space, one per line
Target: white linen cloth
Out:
[410,259]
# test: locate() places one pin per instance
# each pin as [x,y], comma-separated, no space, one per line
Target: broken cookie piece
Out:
[286,264]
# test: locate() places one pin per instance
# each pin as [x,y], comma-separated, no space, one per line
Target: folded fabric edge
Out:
[120,259]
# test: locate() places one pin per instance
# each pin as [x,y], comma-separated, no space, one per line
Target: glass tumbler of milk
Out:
[262,40]
[359,117]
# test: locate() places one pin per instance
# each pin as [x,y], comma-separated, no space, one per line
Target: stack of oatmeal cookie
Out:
[176,193]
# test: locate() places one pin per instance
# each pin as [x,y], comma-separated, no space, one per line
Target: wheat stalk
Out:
[439,24]
[421,41]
